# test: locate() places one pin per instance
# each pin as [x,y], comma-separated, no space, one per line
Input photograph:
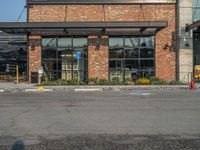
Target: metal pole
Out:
[39,80]
[78,73]
[17,74]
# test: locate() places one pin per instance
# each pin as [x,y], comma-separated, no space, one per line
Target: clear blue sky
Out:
[10,10]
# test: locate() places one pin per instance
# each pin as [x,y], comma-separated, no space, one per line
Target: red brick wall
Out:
[34,55]
[98,57]
[165,59]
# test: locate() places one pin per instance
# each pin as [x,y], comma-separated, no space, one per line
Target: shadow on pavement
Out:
[18,145]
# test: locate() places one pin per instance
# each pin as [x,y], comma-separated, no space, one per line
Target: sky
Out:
[10,10]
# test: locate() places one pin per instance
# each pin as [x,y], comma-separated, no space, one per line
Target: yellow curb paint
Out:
[41,88]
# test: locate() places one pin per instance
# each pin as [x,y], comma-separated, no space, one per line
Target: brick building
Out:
[116,38]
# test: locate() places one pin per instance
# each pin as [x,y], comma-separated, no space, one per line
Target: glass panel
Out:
[64,42]
[116,64]
[112,64]
[196,49]
[49,65]
[79,42]
[147,73]
[127,57]
[131,42]
[147,64]
[132,53]
[131,65]
[49,53]
[64,52]
[116,42]
[195,10]
[116,53]
[133,74]
[59,58]
[147,53]
[49,42]
[147,42]
[116,74]
[195,3]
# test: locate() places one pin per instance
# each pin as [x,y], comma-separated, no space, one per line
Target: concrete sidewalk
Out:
[12,86]
[25,87]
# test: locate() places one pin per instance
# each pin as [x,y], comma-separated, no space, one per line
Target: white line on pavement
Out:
[2,90]
[86,90]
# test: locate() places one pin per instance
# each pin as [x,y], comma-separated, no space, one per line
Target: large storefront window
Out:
[195,10]
[131,57]
[59,58]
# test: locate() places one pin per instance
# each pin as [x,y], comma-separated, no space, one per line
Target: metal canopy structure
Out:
[194,25]
[83,28]
[95,2]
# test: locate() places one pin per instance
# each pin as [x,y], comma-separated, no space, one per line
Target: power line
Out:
[21,14]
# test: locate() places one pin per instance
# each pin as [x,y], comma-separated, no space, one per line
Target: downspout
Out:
[27,44]
[177,39]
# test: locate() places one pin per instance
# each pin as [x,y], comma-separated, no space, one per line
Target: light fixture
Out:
[98,46]
[187,44]
[166,46]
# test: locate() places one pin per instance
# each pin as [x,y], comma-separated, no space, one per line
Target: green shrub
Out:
[154,79]
[129,81]
[93,81]
[142,81]
[176,82]
[62,82]
[103,82]
[115,81]
[73,82]
[55,82]
[157,81]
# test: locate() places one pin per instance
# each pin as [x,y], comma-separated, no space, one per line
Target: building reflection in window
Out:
[131,57]
[59,58]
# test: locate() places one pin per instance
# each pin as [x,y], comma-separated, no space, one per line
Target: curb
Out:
[115,88]
[99,88]
[2,90]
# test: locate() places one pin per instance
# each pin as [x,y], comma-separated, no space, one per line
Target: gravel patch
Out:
[112,142]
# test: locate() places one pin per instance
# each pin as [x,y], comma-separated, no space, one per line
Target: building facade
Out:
[121,52]
[188,40]
[125,39]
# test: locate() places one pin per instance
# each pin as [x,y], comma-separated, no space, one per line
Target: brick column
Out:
[34,55]
[98,57]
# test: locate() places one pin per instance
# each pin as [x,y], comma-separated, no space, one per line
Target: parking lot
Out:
[55,115]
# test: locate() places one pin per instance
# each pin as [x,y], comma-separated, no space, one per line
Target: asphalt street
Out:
[33,117]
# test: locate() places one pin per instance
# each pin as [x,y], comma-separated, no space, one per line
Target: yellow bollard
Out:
[17,74]
[41,88]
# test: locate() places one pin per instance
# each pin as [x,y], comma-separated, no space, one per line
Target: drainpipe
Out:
[177,40]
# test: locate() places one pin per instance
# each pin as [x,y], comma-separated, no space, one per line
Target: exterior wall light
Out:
[187,44]
[166,46]
[34,43]
[98,46]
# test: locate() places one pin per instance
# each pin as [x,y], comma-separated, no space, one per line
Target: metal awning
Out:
[193,26]
[84,28]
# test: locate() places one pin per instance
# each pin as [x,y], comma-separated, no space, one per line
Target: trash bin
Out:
[34,77]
